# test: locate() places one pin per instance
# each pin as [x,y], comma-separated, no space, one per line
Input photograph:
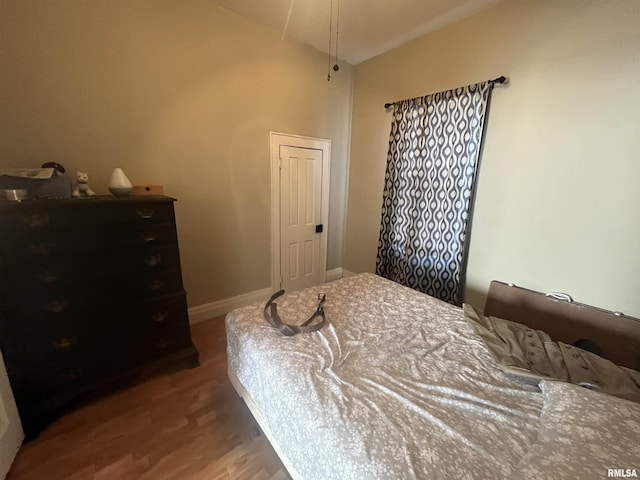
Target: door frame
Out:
[277,139]
[11,433]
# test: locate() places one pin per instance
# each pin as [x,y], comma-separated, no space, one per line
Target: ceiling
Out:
[366,27]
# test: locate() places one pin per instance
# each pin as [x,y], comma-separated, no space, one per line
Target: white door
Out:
[299,204]
[10,427]
[301,225]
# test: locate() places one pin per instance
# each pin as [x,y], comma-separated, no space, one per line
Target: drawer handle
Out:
[152,260]
[148,236]
[145,212]
[57,306]
[42,248]
[48,276]
[154,285]
[159,317]
[37,220]
[65,343]
[162,343]
[72,374]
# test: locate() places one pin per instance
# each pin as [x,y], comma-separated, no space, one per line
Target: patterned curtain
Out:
[434,149]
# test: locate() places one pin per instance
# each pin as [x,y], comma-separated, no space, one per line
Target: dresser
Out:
[91,299]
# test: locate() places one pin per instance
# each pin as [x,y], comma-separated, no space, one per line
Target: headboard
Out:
[617,336]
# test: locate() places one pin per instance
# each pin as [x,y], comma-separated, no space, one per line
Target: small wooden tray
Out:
[147,190]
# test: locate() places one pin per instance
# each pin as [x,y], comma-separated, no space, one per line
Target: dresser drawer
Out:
[53,272]
[140,233]
[146,285]
[58,302]
[158,327]
[51,379]
[51,244]
[32,248]
[146,258]
[29,219]
[159,342]
[155,314]
[68,368]
[48,303]
[84,213]
[69,337]
[47,273]
[146,213]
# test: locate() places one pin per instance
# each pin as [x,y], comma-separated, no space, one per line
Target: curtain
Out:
[434,150]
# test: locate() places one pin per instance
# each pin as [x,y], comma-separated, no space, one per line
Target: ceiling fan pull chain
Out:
[330,32]
[336,67]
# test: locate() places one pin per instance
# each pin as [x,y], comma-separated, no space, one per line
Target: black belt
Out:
[271,315]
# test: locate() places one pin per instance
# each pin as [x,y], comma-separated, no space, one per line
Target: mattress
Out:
[398,386]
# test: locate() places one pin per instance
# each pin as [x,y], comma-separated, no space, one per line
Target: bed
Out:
[397,386]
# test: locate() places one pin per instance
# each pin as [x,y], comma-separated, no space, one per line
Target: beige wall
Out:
[558,198]
[177,93]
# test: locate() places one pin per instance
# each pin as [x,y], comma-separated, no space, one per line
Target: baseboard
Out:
[347,273]
[333,274]
[200,313]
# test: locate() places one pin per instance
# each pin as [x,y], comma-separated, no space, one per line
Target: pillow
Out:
[583,434]
[532,355]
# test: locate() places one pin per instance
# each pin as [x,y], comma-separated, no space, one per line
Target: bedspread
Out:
[396,386]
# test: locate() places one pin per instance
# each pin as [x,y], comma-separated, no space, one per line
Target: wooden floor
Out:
[187,425]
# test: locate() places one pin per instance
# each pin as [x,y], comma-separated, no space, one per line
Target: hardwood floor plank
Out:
[190,425]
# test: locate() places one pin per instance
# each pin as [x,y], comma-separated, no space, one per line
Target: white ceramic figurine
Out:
[82,188]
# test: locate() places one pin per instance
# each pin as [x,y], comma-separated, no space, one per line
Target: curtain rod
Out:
[499,80]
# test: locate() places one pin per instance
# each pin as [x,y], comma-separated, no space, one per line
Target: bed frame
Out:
[612,335]
[262,425]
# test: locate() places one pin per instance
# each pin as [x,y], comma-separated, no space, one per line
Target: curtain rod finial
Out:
[500,80]
[388,105]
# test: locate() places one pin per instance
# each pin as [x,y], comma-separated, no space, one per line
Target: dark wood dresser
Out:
[91,298]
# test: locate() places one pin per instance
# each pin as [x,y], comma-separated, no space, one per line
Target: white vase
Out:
[119,185]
